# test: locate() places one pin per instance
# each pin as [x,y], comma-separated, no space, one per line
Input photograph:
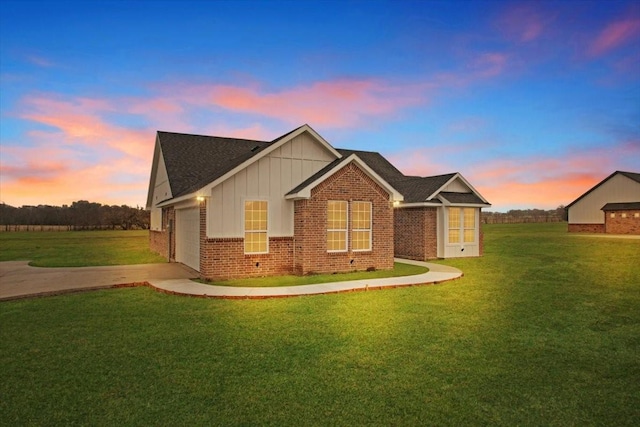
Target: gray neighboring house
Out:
[611,206]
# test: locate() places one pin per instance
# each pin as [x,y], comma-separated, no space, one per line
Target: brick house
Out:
[622,218]
[233,208]
[611,206]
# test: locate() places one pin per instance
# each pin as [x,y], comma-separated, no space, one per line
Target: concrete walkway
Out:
[437,274]
[19,280]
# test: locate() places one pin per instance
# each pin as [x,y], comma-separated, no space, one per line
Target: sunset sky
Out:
[533,102]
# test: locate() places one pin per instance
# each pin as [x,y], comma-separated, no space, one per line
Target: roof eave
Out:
[263,153]
[417,205]
[305,193]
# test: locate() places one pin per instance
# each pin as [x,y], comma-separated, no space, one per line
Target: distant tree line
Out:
[516,216]
[81,215]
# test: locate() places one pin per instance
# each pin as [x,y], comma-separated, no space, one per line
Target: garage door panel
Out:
[188,237]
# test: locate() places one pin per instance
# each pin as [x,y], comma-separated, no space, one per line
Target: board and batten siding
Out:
[161,192]
[617,189]
[270,178]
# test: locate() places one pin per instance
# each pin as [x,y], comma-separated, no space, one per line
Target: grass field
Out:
[77,248]
[543,330]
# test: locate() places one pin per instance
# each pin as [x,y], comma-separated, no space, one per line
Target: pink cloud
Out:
[87,147]
[523,22]
[547,182]
[40,61]
[338,104]
[542,182]
[615,35]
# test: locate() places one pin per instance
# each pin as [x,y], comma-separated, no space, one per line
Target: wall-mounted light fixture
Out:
[200,198]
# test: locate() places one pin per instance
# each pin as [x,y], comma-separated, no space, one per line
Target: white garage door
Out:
[188,237]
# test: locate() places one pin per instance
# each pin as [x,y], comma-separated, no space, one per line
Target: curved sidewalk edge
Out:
[437,274]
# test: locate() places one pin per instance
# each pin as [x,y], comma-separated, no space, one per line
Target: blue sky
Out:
[533,102]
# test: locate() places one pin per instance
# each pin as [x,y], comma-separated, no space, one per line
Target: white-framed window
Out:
[462,225]
[337,220]
[360,226]
[256,239]
[469,221]
[624,214]
[613,215]
[454,225]
[636,215]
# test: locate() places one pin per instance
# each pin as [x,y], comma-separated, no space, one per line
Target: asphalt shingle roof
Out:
[466,198]
[621,206]
[631,175]
[193,161]
[417,189]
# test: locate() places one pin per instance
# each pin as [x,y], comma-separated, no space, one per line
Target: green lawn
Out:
[77,248]
[543,330]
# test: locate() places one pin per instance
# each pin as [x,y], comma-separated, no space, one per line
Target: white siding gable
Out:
[269,178]
[161,192]
[617,189]
[456,186]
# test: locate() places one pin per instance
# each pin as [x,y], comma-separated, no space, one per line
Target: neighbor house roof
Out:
[621,206]
[631,175]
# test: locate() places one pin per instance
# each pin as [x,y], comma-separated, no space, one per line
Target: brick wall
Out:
[225,258]
[415,233]
[586,228]
[310,225]
[624,222]
[158,240]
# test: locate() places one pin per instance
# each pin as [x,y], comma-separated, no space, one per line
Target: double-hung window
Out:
[337,226]
[256,240]
[462,225]
[454,225]
[469,225]
[361,226]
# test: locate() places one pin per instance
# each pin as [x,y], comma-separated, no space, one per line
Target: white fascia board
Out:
[453,178]
[206,190]
[306,128]
[305,193]
[469,205]
[157,152]
[418,205]
[316,135]
[447,203]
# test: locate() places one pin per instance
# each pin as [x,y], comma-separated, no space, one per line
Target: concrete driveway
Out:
[19,280]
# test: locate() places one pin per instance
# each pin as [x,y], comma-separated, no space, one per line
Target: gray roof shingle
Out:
[465,198]
[193,161]
[417,189]
[628,206]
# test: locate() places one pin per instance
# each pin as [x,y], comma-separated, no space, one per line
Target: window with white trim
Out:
[256,240]
[462,225]
[454,225]
[469,225]
[360,226]
[337,212]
